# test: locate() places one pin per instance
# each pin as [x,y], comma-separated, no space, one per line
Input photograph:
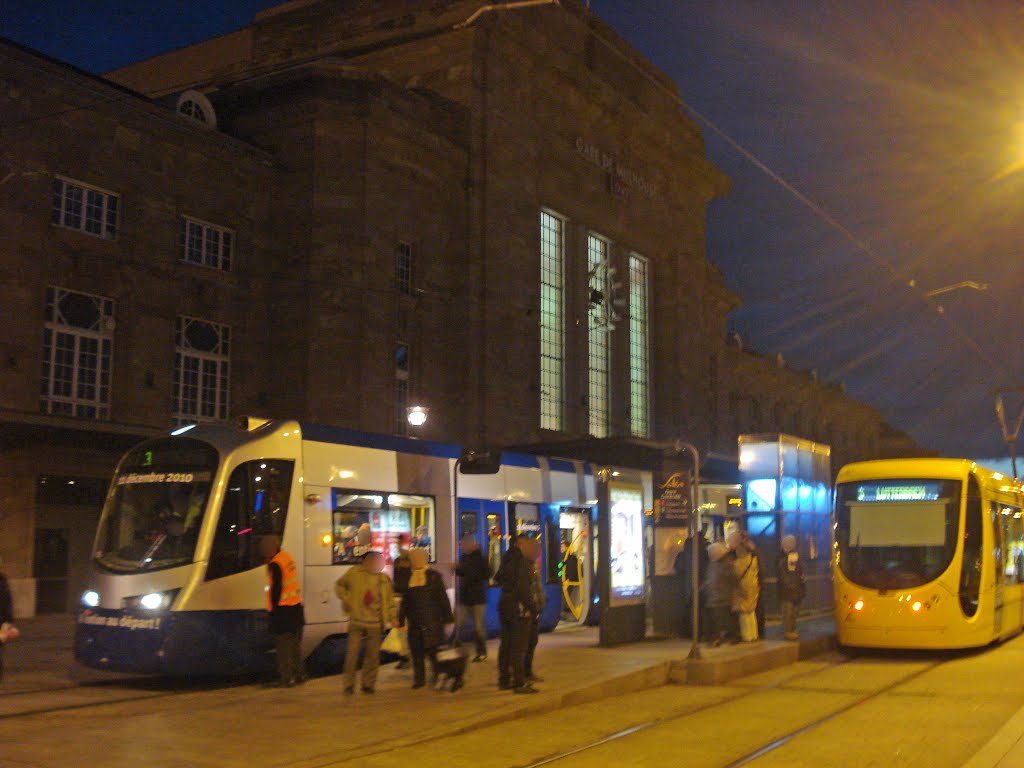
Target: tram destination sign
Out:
[672,500]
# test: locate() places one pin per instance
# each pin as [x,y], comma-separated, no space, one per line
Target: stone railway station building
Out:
[347,208]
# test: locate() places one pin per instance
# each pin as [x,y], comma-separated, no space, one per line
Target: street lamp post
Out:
[694,554]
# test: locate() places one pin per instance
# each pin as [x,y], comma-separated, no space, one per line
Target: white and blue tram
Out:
[177,586]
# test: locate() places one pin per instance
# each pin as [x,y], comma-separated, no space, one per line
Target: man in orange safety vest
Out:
[284,603]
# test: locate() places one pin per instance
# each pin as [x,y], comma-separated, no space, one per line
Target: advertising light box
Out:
[627,545]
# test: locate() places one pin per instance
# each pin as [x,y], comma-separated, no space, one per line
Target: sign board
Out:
[672,502]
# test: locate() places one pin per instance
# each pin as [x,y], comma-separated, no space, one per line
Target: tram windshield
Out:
[896,534]
[155,507]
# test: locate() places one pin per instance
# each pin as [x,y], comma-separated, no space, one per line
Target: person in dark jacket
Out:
[720,588]
[425,610]
[287,617]
[473,574]
[790,585]
[6,612]
[683,568]
[402,570]
[516,608]
[541,599]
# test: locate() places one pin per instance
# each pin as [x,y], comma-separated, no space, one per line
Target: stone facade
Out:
[346,131]
[757,394]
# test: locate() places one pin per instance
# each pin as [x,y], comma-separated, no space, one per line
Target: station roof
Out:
[638,453]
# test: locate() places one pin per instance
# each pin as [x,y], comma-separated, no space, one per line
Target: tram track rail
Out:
[765,749]
[326,761]
[127,697]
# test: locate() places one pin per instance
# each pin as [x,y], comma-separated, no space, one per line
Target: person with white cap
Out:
[790,585]
[719,586]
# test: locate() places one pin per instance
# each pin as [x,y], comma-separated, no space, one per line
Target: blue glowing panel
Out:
[761,495]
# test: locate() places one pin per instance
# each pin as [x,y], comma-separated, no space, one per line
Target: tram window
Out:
[970,572]
[468,524]
[1011,559]
[494,548]
[372,521]
[255,504]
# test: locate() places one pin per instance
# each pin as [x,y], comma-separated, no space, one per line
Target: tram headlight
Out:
[91,598]
[916,606]
[859,605]
[154,601]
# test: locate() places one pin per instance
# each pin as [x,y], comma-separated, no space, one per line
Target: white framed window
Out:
[202,370]
[206,244]
[403,267]
[599,337]
[78,336]
[639,347]
[85,208]
[552,321]
[401,388]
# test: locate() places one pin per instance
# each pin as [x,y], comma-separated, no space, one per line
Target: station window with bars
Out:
[403,267]
[205,244]
[85,208]
[552,321]
[202,370]
[78,336]
[598,336]
[401,388]
[639,345]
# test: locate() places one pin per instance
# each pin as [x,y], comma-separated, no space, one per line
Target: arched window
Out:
[195,105]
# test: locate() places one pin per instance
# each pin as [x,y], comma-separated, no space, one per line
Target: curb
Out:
[1006,740]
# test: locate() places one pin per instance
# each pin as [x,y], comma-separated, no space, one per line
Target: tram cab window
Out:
[897,533]
[255,504]
[374,521]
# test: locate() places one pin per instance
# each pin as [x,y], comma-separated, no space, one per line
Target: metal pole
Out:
[694,554]
[456,517]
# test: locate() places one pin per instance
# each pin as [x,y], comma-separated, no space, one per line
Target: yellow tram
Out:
[927,553]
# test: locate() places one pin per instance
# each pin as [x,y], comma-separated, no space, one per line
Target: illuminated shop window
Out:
[85,208]
[552,321]
[201,370]
[639,365]
[205,244]
[77,339]
[598,338]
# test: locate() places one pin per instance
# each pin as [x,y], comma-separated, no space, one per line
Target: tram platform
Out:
[40,669]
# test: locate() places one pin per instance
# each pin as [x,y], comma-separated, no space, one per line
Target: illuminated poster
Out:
[627,545]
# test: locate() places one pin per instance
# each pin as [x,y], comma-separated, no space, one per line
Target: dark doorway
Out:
[51,570]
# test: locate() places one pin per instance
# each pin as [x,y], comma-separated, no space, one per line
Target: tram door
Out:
[576,567]
[997,564]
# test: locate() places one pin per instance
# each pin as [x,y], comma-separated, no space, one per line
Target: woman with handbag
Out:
[425,611]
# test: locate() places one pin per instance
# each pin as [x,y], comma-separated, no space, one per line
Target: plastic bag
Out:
[8,632]
[392,643]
